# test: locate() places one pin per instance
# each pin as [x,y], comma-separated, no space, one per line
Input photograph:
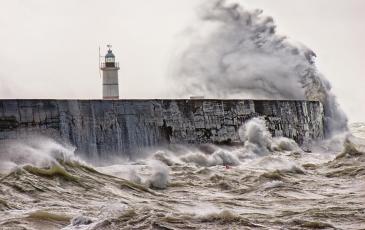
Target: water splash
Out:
[38,151]
[233,52]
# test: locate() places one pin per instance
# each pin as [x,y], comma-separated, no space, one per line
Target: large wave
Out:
[235,52]
[50,187]
[37,151]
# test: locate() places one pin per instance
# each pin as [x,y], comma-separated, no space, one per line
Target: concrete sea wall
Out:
[99,127]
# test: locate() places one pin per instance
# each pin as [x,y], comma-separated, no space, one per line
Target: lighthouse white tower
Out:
[110,76]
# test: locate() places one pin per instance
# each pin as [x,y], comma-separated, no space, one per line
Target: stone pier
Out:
[126,126]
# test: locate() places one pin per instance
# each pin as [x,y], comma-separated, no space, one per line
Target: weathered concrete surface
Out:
[99,127]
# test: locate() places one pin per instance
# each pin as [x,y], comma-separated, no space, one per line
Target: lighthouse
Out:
[110,76]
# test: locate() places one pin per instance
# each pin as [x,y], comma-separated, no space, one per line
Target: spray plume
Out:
[234,52]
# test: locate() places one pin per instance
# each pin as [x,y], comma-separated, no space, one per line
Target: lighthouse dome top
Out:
[110,54]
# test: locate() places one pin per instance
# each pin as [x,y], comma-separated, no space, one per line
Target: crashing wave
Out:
[234,52]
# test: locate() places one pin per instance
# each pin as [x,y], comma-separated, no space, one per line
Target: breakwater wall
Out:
[99,127]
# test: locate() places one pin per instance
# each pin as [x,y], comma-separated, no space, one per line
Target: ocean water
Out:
[267,183]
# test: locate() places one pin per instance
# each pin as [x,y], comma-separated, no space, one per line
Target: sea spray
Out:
[256,137]
[257,142]
[149,173]
[38,151]
[233,52]
[133,176]
[159,178]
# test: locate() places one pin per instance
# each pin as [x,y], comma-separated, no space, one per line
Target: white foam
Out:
[160,175]
[37,151]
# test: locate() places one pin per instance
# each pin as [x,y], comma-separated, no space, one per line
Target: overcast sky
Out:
[49,48]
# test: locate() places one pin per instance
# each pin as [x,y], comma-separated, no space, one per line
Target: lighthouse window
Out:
[109,59]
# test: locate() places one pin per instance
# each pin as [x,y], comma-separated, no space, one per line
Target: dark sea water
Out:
[269,183]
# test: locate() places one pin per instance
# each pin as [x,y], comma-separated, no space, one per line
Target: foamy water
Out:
[256,186]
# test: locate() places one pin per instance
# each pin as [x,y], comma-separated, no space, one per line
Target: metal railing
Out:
[109,65]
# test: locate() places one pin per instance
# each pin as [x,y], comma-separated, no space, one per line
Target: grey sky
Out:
[49,48]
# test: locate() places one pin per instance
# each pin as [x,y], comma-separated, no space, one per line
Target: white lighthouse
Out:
[110,76]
